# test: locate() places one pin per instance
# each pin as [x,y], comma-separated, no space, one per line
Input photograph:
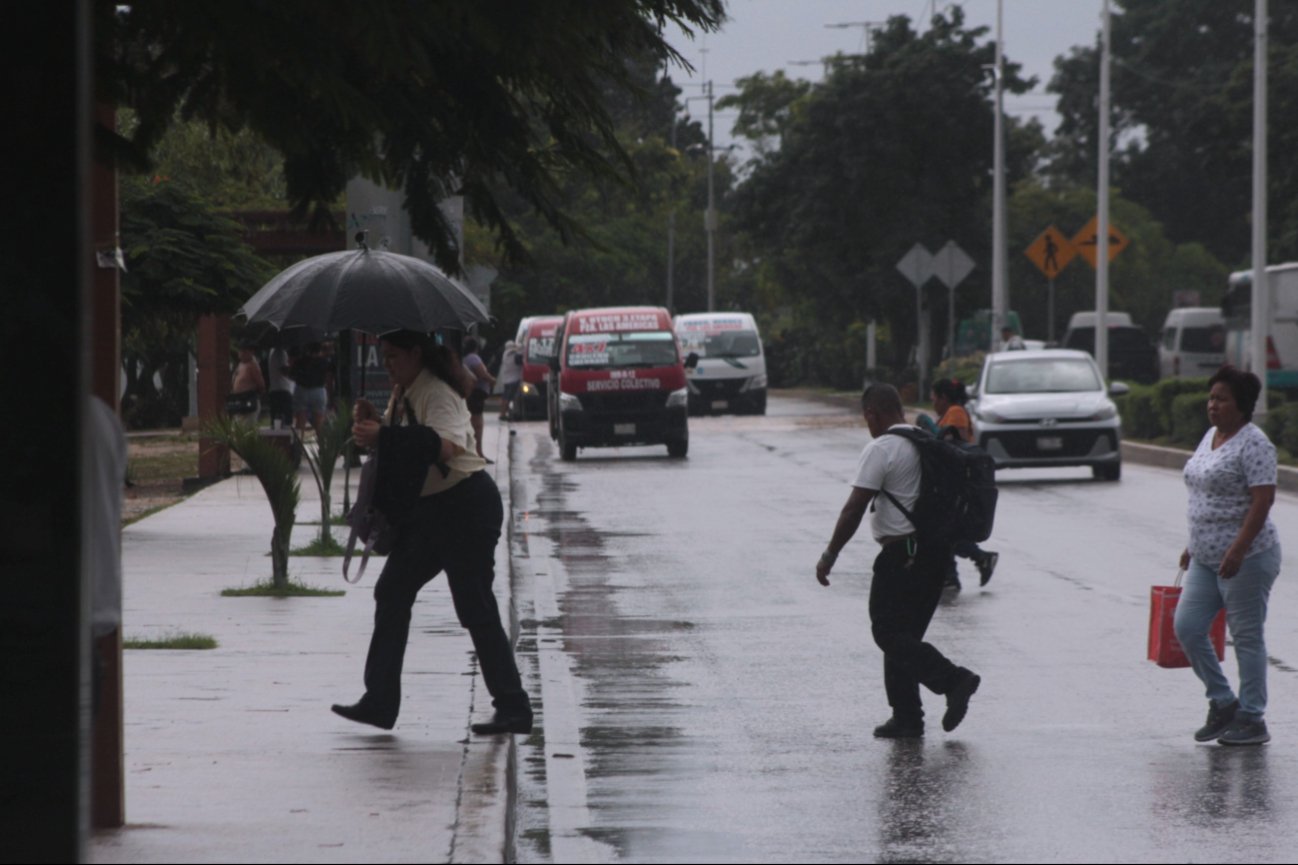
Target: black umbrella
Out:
[371,290]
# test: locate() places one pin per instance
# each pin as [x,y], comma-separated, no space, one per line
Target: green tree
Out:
[893,148]
[1183,103]
[183,260]
[621,255]
[438,98]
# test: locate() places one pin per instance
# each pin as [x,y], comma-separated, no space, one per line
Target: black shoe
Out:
[899,728]
[952,583]
[1218,720]
[1245,731]
[957,699]
[987,564]
[363,714]
[503,723]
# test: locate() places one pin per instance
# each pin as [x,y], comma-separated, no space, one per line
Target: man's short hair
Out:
[882,399]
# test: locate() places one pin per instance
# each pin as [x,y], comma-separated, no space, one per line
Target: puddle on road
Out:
[622,660]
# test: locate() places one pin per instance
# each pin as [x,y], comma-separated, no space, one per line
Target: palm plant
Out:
[278,477]
[330,440]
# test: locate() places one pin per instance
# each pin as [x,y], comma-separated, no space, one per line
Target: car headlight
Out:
[527,388]
[1105,413]
[990,416]
[678,398]
[569,402]
[757,382]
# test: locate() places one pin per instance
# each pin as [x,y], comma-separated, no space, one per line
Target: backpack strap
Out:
[910,437]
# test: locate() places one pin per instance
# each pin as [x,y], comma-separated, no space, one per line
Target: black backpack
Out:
[957,490]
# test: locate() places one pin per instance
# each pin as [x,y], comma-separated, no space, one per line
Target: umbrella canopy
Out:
[265,335]
[371,290]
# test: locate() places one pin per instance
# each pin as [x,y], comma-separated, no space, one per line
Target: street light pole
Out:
[710,218]
[671,231]
[1261,290]
[1102,220]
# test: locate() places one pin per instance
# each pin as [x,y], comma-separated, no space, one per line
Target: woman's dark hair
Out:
[951,389]
[440,360]
[1244,387]
[470,345]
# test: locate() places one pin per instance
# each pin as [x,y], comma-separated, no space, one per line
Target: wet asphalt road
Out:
[704,700]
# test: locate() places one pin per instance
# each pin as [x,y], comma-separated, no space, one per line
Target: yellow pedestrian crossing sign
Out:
[1087,241]
[1051,252]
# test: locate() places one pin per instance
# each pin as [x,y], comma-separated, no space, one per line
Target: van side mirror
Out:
[692,360]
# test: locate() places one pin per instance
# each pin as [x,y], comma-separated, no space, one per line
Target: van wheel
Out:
[678,449]
[1110,472]
[567,450]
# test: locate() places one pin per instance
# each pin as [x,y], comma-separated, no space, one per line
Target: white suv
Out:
[1048,408]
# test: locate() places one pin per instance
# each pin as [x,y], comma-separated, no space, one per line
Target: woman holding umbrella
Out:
[452,525]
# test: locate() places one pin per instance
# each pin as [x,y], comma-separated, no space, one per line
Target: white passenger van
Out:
[1193,344]
[731,373]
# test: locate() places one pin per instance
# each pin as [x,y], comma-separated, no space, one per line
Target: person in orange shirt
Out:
[949,398]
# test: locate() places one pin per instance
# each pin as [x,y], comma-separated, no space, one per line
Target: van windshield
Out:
[727,343]
[539,349]
[621,350]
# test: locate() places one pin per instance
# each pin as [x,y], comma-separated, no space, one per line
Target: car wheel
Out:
[567,450]
[678,449]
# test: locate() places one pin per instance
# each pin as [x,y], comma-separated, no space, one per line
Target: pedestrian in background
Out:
[309,371]
[908,574]
[1232,558]
[949,397]
[482,387]
[511,376]
[280,398]
[246,387]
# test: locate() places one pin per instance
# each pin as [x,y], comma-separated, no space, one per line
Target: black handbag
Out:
[244,402]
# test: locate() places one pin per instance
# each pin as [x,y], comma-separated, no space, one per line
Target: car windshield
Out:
[1044,375]
[625,349]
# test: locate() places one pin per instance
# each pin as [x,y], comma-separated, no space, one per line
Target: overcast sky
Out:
[766,35]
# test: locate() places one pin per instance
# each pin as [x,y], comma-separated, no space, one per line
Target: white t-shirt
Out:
[1219,482]
[889,463]
[437,405]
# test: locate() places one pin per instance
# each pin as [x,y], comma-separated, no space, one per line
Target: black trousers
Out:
[454,531]
[903,597]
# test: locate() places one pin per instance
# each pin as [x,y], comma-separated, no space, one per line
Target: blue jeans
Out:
[1245,597]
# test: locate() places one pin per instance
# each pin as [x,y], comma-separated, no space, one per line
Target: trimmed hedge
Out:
[1189,414]
[1175,409]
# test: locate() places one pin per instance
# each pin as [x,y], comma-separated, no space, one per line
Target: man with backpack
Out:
[908,572]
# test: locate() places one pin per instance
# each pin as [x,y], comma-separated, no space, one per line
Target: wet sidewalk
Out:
[232,754]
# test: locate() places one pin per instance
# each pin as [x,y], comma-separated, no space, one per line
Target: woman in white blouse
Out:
[453,526]
[1232,558]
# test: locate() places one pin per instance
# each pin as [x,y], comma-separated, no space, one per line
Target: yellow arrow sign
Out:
[1087,241]
[1051,252]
